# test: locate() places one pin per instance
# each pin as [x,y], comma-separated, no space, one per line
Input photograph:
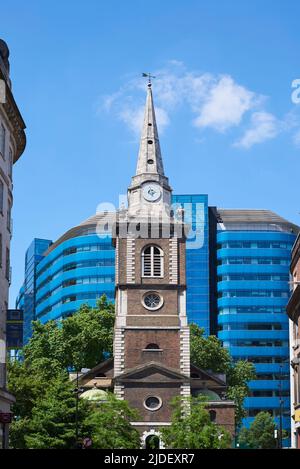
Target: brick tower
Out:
[151,342]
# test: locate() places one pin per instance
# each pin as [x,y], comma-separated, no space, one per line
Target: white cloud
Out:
[225,105]
[133,118]
[296,138]
[214,101]
[264,126]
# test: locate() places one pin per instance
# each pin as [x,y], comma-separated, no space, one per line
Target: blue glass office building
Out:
[27,297]
[77,269]
[253,253]
[197,258]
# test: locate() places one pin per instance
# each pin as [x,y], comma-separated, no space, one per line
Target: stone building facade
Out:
[12,144]
[293,311]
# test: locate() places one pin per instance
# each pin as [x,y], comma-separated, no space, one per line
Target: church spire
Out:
[149,189]
[149,158]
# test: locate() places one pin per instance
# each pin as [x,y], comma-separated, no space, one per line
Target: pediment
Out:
[154,373]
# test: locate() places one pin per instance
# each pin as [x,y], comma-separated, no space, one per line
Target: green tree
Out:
[238,376]
[209,354]
[78,341]
[191,427]
[52,422]
[260,434]
[109,425]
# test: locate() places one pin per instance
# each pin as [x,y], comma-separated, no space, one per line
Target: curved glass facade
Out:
[27,297]
[78,270]
[253,290]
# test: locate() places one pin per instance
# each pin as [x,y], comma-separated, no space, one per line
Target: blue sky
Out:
[227,123]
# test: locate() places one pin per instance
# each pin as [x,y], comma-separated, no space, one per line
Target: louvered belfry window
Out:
[152,262]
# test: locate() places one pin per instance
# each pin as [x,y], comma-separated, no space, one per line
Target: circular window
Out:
[152,301]
[153,403]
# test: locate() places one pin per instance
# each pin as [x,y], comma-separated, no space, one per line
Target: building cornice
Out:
[14,116]
[295,253]
[293,306]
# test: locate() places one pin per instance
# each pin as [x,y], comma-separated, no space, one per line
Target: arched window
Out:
[152,347]
[152,262]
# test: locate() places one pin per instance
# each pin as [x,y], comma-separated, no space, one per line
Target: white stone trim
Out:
[121,308]
[117,260]
[150,433]
[130,259]
[185,350]
[161,302]
[119,392]
[175,328]
[173,260]
[185,390]
[185,393]
[182,308]
[160,403]
[118,351]
[154,424]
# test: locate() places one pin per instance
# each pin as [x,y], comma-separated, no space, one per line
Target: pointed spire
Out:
[149,159]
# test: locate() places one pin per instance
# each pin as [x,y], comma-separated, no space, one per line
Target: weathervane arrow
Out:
[149,76]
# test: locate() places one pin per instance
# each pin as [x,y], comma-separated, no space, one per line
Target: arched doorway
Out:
[152,442]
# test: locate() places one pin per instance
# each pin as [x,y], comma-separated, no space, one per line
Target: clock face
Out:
[151,192]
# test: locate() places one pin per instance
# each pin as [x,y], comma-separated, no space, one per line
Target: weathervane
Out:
[149,76]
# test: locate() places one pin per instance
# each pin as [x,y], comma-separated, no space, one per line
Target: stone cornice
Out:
[293,306]
[14,116]
[295,253]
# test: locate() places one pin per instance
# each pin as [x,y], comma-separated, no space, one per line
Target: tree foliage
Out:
[52,423]
[45,399]
[109,425]
[209,354]
[191,427]
[78,341]
[260,434]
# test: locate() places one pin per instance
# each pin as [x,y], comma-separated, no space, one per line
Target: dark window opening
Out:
[152,347]
[152,442]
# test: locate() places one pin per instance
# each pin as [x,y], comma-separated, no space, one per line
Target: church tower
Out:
[151,339]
